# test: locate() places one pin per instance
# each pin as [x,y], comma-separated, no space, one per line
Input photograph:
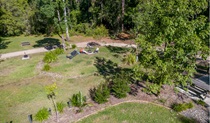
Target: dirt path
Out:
[42,49]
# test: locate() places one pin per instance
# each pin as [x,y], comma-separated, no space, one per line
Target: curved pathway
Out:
[42,49]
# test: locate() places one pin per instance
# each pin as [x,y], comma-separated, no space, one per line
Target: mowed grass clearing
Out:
[22,86]
[14,43]
[136,113]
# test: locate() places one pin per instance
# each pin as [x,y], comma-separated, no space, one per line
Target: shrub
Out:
[78,100]
[100,94]
[200,102]
[42,114]
[152,88]
[129,59]
[60,106]
[73,46]
[119,86]
[50,57]
[46,67]
[58,51]
[82,27]
[182,107]
[99,32]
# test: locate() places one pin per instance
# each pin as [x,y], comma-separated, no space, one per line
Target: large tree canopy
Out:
[14,17]
[170,35]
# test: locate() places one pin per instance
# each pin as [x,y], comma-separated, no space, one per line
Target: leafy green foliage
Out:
[170,39]
[100,94]
[42,114]
[74,46]
[200,102]
[60,106]
[78,100]
[100,32]
[14,16]
[50,57]
[58,51]
[182,107]
[46,67]
[51,94]
[129,59]
[152,88]
[120,86]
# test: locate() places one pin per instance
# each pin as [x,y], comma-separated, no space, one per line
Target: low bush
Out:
[129,59]
[200,102]
[100,94]
[78,100]
[50,57]
[46,67]
[82,27]
[73,46]
[182,107]
[99,32]
[42,114]
[152,88]
[120,86]
[60,106]
[58,51]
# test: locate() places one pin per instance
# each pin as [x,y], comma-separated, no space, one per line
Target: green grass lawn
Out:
[22,87]
[135,113]
[14,43]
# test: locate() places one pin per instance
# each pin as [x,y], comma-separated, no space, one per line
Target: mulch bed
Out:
[167,94]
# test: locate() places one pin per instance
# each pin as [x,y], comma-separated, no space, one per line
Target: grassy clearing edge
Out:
[128,101]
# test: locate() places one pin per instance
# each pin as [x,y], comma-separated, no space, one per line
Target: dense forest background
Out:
[75,16]
[54,16]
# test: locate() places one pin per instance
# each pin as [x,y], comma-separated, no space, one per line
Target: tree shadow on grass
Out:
[3,43]
[117,49]
[47,42]
[108,68]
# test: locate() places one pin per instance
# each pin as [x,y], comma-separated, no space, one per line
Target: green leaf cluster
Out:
[100,94]
[46,67]
[78,100]
[182,107]
[52,55]
[152,88]
[170,35]
[120,86]
[42,114]
[130,59]
[60,106]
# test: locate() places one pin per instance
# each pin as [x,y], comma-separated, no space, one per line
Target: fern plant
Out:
[50,57]
[46,67]
[78,100]
[60,106]
[42,114]
[120,86]
[129,59]
[100,94]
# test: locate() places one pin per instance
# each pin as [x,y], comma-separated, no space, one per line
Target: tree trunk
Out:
[65,21]
[102,6]
[62,37]
[123,12]
[56,110]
